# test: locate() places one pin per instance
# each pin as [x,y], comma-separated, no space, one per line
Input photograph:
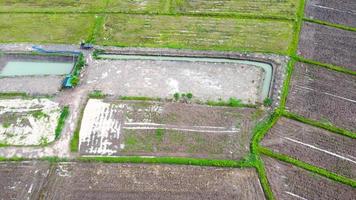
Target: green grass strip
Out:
[308,167]
[61,121]
[98,24]
[12,94]
[297,28]
[326,126]
[261,129]
[139,98]
[74,142]
[328,66]
[263,178]
[286,84]
[339,26]
[168,160]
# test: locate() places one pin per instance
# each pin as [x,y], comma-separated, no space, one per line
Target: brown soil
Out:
[292,138]
[130,181]
[323,95]
[328,45]
[287,181]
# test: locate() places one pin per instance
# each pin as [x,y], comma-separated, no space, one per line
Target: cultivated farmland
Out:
[315,94]
[290,182]
[166,129]
[328,45]
[314,146]
[45,28]
[28,122]
[196,33]
[22,181]
[338,12]
[130,181]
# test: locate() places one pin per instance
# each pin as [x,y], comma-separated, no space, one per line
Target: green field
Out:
[196,33]
[45,28]
[272,8]
[53,5]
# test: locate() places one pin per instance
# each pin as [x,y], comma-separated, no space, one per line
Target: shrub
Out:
[189,95]
[267,102]
[75,81]
[176,96]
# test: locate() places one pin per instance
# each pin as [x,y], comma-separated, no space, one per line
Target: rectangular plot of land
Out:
[22,180]
[53,5]
[129,181]
[166,129]
[328,45]
[324,95]
[290,182]
[45,28]
[257,7]
[205,80]
[338,12]
[206,33]
[313,145]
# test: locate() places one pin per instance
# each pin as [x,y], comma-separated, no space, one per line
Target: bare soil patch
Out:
[166,129]
[324,95]
[130,181]
[338,12]
[207,81]
[22,180]
[313,145]
[328,45]
[290,182]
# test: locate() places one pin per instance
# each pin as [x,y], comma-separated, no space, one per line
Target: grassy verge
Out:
[232,102]
[168,160]
[263,178]
[328,66]
[339,26]
[99,21]
[297,28]
[61,121]
[5,95]
[308,167]
[286,84]
[328,127]
[139,98]
[74,142]
[97,94]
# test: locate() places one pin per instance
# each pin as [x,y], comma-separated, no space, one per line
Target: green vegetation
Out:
[74,142]
[339,26]
[160,134]
[168,160]
[61,121]
[323,125]
[5,95]
[137,98]
[297,28]
[232,102]
[53,28]
[267,102]
[286,84]
[214,34]
[38,114]
[96,94]
[308,167]
[328,66]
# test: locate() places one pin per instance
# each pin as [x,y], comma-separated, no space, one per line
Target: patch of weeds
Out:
[160,134]
[38,114]
[96,94]
[267,102]
[139,98]
[61,121]
[6,125]
[43,141]
[232,102]
[176,96]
